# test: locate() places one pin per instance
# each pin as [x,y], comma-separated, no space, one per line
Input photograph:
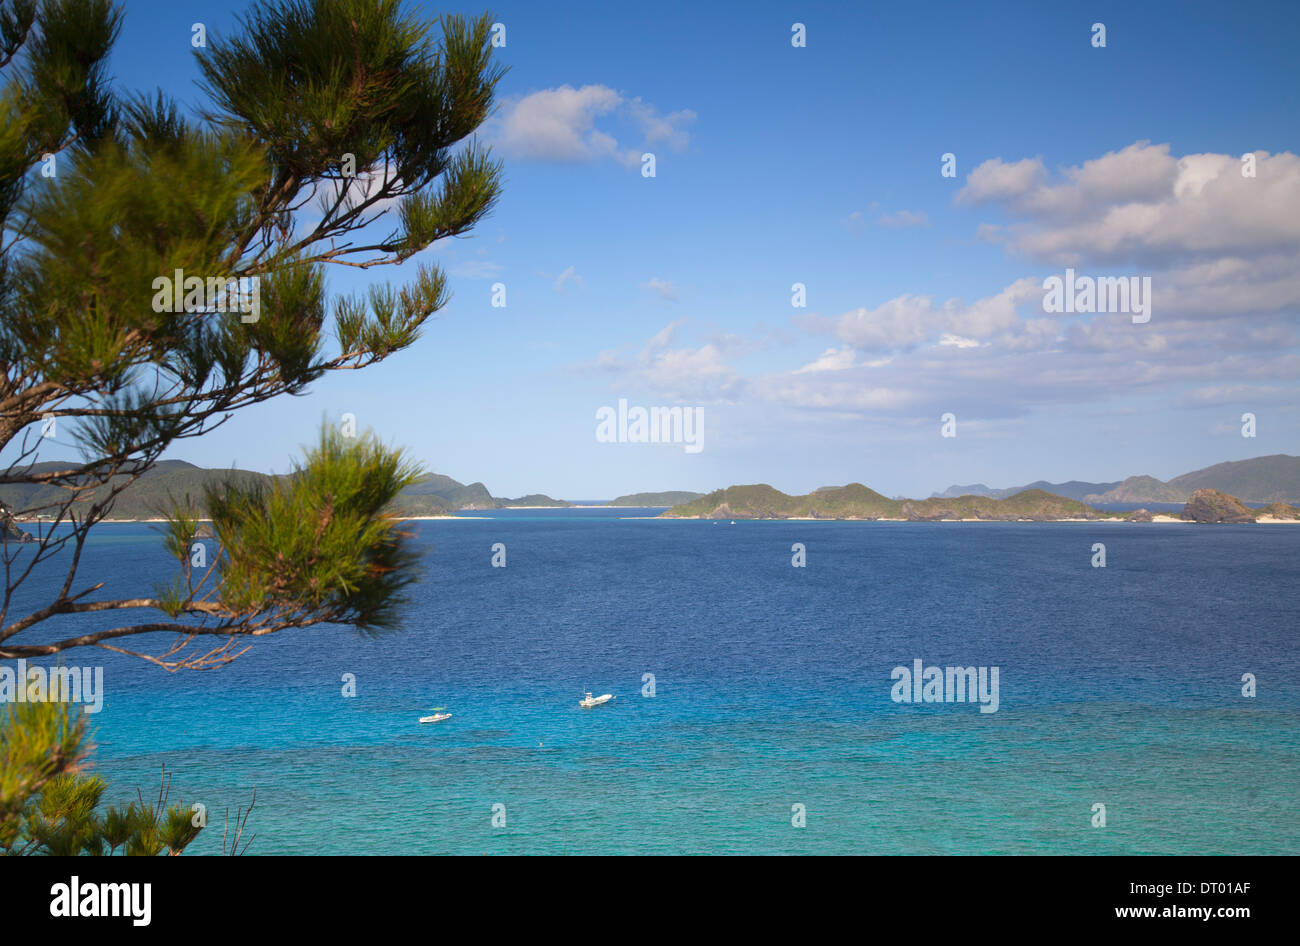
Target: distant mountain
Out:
[454,495]
[645,500]
[1268,479]
[975,489]
[1074,489]
[534,499]
[1139,489]
[431,495]
[855,501]
[144,499]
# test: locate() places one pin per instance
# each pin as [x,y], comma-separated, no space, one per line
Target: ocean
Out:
[754,708]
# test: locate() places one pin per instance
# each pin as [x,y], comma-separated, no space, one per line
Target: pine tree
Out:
[337,133]
[162,272]
[50,805]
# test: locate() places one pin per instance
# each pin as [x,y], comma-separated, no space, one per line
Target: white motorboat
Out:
[437,717]
[591,701]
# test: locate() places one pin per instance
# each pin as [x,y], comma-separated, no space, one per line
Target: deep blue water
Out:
[1117,685]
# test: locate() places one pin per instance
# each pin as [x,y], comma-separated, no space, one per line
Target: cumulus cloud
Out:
[1144,205]
[907,321]
[1223,251]
[578,125]
[665,368]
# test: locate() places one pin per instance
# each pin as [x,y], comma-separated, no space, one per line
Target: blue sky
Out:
[821,165]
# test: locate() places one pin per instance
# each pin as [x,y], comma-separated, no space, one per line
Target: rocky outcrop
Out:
[1140,515]
[1210,505]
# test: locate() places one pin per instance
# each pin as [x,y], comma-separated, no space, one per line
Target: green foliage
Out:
[318,542]
[39,743]
[64,820]
[56,93]
[48,805]
[325,118]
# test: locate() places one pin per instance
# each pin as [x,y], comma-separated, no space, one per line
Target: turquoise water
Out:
[1119,686]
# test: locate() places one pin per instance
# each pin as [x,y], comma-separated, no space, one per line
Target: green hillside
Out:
[1280,511]
[145,499]
[856,501]
[1072,489]
[1027,504]
[669,498]
[1268,479]
[1141,489]
[431,495]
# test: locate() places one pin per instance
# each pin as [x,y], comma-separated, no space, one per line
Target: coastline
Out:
[1158,519]
[1262,520]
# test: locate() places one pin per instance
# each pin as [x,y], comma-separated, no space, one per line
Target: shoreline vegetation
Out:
[1271,484]
[858,502]
[1262,481]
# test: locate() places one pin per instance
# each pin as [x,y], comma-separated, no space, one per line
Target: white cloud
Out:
[560,125]
[1223,252]
[907,321]
[832,359]
[1144,205]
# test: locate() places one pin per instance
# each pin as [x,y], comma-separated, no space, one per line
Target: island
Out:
[858,502]
[651,500]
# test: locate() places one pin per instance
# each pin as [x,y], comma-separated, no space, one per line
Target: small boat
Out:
[437,716]
[591,701]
